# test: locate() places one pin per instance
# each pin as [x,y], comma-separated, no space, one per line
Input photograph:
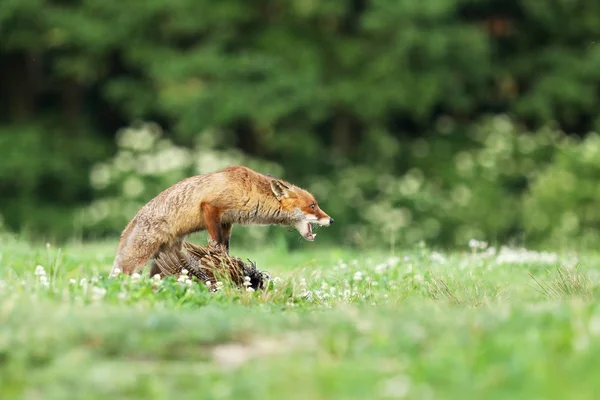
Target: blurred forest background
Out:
[438,121]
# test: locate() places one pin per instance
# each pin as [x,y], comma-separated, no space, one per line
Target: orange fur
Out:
[214,202]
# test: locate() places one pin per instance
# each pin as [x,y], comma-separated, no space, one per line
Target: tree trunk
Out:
[20,78]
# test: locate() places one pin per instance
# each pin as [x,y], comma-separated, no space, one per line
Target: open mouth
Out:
[305,229]
[310,235]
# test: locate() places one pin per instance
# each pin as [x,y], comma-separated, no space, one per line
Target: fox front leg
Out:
[212,222]
[226,235]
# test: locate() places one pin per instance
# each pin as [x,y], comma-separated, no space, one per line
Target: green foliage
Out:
[495,181]
[380,107]
[562,205]
[44,177]
[556,62]
[456,186]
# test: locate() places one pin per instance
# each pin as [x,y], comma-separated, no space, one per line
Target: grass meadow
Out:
[484,323]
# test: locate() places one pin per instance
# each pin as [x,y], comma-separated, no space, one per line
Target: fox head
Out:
[301,208]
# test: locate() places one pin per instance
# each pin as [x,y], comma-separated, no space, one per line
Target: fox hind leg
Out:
[123,240]
[134,251]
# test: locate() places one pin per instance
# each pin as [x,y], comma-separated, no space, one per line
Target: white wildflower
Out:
[380,268]
[392,261]
[524,256]
[477,244]
[135,277]
[358,276]
[307,294]
[490,252]
[83,282]
[249,289]
[98,293]
[580,342]
[437,257]
[72,281]
[594,325]
[44,281]
[397,387]
[40,271]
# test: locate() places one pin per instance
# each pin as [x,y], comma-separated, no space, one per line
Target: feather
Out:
[209,263]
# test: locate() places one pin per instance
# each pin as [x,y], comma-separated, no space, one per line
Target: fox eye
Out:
[313,206]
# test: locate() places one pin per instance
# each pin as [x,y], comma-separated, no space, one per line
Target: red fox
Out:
[214,202]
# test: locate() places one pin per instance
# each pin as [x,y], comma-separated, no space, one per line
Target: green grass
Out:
[337,324]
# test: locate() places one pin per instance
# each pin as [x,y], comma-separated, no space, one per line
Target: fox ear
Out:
[280,189]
